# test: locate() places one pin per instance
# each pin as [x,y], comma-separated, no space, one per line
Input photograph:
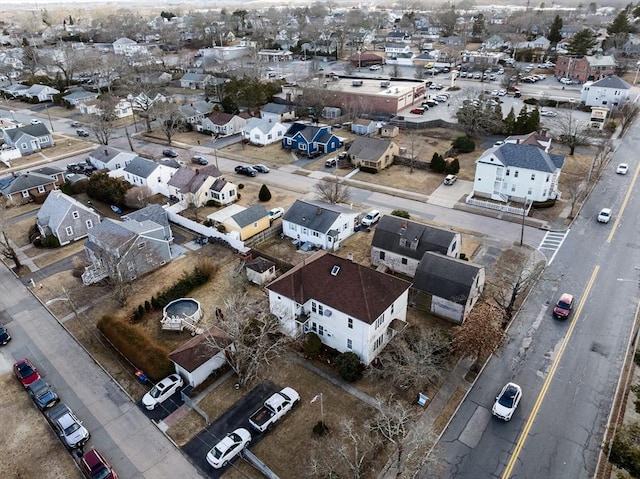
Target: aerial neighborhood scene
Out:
[319,240]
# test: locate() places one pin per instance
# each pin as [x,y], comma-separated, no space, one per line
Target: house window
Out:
[141,245]
[349,344]
[75,215]
[513,188]
[404,261]
[320,330]
[548,176]
[302,146]
[378,342]
[350,323]
[392,307]
[345,227]
[23,146]
[232,193]
[68,230]
[315,234]
[515,174]
[313,327]
[255,225]
[89,224]
[379,321]
[25,194]
[269,136]
[382,255]
[41,189]
[529,192]
[544,193]
[314,307]
[508,172]
[533,176]
[320,310]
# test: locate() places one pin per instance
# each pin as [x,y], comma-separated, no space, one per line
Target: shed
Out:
[331,112]
[389,131]
[260,271]
[198,358]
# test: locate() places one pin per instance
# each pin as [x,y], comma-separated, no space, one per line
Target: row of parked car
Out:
[251,170]
[62,419]
[85,168]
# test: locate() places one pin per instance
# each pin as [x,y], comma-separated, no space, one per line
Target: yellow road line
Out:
[624,204]
[525,432]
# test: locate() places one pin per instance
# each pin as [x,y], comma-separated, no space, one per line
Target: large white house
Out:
[610,92]
[350,307]
[144,172]
[263,131]
[517,172]
[110,158]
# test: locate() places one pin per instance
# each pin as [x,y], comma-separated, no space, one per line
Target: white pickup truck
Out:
[67,426]
[273,409]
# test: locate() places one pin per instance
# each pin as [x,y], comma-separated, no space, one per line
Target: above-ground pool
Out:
[181,313]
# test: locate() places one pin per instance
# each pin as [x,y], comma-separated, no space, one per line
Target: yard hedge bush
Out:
[137,346]
[264,194]
[463,144]
[349,366]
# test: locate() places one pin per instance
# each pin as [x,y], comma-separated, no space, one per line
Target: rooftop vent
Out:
[335,270]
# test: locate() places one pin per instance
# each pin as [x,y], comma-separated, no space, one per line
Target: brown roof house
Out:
[200,357]
[372,153]
[351,308]
[224,124]
[197,187]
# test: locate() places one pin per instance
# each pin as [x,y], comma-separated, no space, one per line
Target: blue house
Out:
[310,140]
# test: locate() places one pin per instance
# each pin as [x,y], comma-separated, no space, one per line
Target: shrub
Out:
[349,366]
[437,163]
[49,242]
[530,101]
[137,346]
[187,282]
[544,204]
[66,188]
[463,144]
[625,452]
[264,194]
[240,187]
[320,429]
[208,222]
[401,214]
[453,167]
[312,345]
[368,169]
[611,126]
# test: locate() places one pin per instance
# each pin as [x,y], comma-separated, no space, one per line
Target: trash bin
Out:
[142,377]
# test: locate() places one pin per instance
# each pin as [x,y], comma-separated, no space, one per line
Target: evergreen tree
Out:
[264,194]
[533,122]
[582,43]
[437,163]
[521,122]
[453,167]
[554,35]
[619,30]
[478,26]
[510,123]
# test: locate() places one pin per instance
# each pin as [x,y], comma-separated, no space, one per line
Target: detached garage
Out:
[198,358]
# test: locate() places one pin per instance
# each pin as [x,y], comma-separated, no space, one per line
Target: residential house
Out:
[224,124]
[248,222]
[363,126]
[199,186]
[52,172]
[365,60]
[610,92]
[540,139]
[398,36]
[65,218]
[28,139]
[260,270]
[122,109]
[541,44]
[124,250]
[278,112]
[39,92]
[586,68]
[263,131]
[311,140]
[195,81]
[144,102]
[194,112]
[389,131]
[374,153]
[397,49]
[79,95]
[323,224]
[153,78]
[21,188]
[14,90]
[126,46]
[350,307]
[516,172]
[198,358]
[107,157]
[143,172]
[399,244]
[447,287]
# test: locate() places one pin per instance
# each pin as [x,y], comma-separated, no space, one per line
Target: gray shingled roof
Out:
[315,216]
[112,234]
[391,229]
[276,108]
[141,167]
[250,215]
[190,181]
[56,207]
[260,264]
[24,182]
[33,130]
[612,82]
[445,277]
[155,213]
[525,156]
[48,170]
[220,118]
[262,124]
[104,153]
[366,148]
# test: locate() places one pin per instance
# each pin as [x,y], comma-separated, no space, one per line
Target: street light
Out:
[524,213]
[13,115]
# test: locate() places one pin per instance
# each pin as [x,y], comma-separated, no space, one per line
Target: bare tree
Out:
[169,118]
[103,123]
[413,149]
[573,131]
[67,61]
[575,189]
[138,196]
[481,334]
[255,337]
[412,358]
[333,190]
[8,251]
[628,114]
[600,160]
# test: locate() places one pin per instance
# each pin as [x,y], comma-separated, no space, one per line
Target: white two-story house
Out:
[110,158]
[610,92]
[350,307]
[143,172]
[323,224]
[517,172]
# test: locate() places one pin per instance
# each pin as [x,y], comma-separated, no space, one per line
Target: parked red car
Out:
[25,371]
[563,307]
[96,466]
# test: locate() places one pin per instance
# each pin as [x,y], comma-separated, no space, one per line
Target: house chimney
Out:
[319,211]
[350,257]
[517,141]
[197,171]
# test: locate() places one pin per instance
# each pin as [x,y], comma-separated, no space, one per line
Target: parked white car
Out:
[507,401]
[605,215]
[371,218]
[275,213]
[622,169]
[162,391]
[230,446]
[548,113]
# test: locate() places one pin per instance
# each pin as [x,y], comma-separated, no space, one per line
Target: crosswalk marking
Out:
[551,243]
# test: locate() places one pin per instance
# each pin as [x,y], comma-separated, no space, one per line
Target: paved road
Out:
[568,370]
[134,446]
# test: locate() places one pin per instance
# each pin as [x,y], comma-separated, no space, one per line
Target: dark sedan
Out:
[43,396]
[170,153]
[245,170]
[5,337]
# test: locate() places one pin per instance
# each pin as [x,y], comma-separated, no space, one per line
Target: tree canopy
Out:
[582,43]
[555,34]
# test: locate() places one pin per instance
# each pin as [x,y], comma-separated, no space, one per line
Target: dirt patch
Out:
[29,447]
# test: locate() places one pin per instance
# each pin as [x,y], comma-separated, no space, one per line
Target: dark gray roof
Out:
[48,170]
[366,148]
[612,82]
[155,213]
[112,234]
[188,180]
[33,130]
[25,182]
[140,167]
[276,108]
[250,215]
[104,153]
[391,229]
[525,156]
[260,264]
[57,206]
[445,277]
[316,216]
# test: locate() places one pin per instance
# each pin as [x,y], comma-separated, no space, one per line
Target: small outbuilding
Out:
[260,271]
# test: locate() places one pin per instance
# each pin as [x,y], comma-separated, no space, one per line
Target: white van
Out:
[371,218]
